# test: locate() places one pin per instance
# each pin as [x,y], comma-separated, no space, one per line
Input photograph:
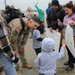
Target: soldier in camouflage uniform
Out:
[22,38]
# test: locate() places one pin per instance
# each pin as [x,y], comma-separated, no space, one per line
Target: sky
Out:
[23,4]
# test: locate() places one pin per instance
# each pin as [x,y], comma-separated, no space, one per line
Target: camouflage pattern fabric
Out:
[13,40]
[16,40]
[22,41]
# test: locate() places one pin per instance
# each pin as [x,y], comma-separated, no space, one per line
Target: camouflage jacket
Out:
[22,39]
[13,40]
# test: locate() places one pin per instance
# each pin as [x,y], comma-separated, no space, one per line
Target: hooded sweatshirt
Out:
[46,60]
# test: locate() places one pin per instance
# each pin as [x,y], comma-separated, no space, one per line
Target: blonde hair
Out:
[29,9]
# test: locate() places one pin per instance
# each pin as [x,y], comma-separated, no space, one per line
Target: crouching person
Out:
[46,60]
[7,56]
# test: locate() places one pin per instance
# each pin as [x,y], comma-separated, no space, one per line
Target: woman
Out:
[8,66]
[69,20]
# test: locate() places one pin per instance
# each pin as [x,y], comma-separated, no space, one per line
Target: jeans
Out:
[8,66]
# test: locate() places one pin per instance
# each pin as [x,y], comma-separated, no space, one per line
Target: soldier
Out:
[22,37]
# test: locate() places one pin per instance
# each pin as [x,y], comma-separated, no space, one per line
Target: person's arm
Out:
[60,24]
[38,9]
[38,35]
[48,20]
[25,38]
[40,39]
[71,22]
[61,53]
[13,40]
[40,13]
[37,62]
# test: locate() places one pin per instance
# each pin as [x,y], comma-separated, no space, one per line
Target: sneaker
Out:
[66,63]
[69,68]
[26,65]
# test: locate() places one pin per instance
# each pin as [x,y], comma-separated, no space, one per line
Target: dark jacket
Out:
[53,16]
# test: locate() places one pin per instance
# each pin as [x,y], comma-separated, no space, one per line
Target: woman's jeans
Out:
[8,66]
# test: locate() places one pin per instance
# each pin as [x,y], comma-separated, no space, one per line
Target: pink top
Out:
[68,18]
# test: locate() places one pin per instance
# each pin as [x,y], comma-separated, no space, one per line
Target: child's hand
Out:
[64,45]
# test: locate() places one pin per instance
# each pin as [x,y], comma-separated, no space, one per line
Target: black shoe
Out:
[1,68]
[66,63]
[15,60]
[69,68]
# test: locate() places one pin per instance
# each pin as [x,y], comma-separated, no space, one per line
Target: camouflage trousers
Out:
[21,54]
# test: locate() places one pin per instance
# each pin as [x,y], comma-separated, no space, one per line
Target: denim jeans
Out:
[8,66]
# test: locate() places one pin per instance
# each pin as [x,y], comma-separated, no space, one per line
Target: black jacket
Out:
[53,16]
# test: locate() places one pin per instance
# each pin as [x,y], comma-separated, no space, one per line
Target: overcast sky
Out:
[23,4]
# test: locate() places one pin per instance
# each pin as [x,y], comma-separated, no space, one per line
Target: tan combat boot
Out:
[26,65]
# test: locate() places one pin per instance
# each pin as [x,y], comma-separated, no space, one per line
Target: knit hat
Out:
[55,2]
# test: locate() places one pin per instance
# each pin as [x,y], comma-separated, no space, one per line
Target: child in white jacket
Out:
[46,60]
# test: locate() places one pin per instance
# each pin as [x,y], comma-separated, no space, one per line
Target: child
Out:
[46,60]
[37,40]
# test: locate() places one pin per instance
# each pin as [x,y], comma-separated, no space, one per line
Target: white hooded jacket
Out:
[46,60]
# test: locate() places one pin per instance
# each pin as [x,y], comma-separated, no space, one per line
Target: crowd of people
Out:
[15,27]
[17,30]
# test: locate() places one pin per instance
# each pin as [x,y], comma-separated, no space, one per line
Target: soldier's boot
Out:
[26,65]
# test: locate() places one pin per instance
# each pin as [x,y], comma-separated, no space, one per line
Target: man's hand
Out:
[51,30]
[59,22]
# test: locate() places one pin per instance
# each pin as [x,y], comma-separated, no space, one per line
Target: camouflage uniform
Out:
[22,39]
[13,34]
[16,40]
[13,40]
